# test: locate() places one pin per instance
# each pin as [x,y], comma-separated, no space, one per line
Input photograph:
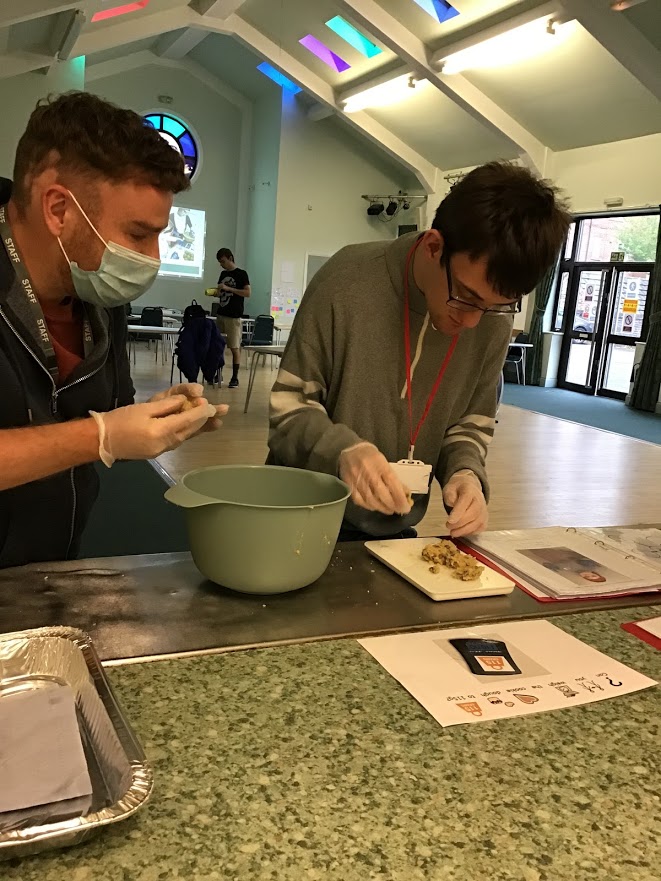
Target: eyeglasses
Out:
[464,306]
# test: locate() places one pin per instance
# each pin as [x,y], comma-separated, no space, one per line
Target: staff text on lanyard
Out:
[23,279]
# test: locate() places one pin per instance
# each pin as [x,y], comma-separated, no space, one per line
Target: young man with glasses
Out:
[397,349]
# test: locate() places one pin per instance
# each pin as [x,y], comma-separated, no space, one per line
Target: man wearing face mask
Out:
[92,190]
[391,370]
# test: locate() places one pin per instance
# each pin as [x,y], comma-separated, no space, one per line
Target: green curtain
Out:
[648,379]
[542,296]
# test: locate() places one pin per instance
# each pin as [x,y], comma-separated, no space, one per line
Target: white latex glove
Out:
[373,483]
[143,431]
[463,494]
[193,391]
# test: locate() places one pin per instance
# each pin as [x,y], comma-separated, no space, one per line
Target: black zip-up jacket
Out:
[44,520]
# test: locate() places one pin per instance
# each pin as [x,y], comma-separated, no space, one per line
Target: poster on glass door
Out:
[631,305]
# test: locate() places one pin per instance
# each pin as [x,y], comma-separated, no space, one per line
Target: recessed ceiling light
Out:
[514,46]
[393,91]
[621,5]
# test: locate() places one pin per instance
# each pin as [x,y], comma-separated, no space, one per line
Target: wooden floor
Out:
[543,471]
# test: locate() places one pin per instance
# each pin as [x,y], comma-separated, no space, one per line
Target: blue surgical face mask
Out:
[123,275]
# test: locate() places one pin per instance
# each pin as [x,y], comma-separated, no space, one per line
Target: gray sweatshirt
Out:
[342,379]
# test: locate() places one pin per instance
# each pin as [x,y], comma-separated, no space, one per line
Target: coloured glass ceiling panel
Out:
[114,11]
[353,36]
[441,10]
[279,78]
[324,54]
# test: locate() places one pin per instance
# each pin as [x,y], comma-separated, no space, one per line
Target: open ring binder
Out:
[564,563]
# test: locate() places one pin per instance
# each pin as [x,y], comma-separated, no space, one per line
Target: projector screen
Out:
[182,244]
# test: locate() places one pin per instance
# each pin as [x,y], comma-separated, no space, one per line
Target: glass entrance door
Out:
[581,351]
[605,317]
[624,327]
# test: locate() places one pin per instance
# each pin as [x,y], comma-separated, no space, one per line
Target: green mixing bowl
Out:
[258,528]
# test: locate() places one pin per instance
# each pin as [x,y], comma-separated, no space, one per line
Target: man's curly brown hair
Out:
[505,213]
[82,134]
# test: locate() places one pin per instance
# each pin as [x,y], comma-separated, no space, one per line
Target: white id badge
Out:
[415,475]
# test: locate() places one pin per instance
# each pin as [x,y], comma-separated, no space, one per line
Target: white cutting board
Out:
[404,556]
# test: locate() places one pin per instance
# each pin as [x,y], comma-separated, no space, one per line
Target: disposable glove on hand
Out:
[190,390]
[144,431]
[373,483]
[463,495]
[193,392]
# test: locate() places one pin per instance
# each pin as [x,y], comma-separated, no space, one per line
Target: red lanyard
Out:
[413,435]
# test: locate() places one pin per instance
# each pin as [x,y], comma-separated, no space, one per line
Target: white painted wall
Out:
[324,169]
[588,175]
[217,123]
[630,169]
[19,96]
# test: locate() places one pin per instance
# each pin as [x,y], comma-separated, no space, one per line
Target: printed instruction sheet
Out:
[540,668]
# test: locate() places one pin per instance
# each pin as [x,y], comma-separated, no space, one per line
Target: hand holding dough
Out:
[193,396]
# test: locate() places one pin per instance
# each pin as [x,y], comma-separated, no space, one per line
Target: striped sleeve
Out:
[466,442]
[302,433]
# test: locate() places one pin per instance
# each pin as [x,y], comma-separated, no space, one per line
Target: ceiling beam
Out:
[176,46]
[17,63]
[277,56]
[371,16]
[217,8]
[318,88]
[132,30]
[621,39]
[425,172]
[103,69]
[211,80]
[18,11]
[317,112]
[532,152]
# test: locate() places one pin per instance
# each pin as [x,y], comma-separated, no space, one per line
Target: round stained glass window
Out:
[177,136]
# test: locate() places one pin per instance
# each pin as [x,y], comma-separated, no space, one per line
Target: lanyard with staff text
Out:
[26,285]
[413,433]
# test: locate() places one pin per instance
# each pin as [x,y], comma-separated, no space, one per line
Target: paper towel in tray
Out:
[41,753]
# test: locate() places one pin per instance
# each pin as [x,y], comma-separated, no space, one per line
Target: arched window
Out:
[178,137]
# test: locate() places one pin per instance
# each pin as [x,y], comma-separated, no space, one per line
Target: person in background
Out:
[92,190]
[396,352]
[233,291]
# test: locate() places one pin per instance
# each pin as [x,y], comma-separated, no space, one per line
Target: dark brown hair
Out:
[225,252]
[506,213]
[81,133]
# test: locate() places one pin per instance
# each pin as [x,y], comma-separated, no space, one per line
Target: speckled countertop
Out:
[311,762]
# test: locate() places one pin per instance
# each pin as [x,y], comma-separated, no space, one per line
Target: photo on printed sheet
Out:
[573,566]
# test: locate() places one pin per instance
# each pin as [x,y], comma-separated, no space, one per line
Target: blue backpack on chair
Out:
[193,311]
[200,346]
